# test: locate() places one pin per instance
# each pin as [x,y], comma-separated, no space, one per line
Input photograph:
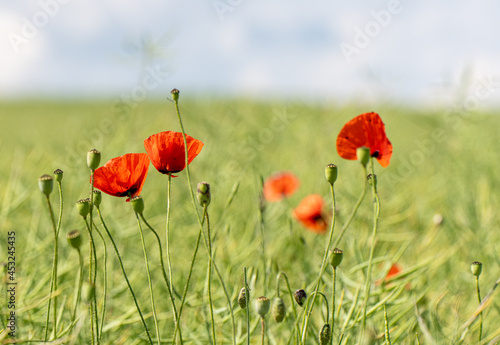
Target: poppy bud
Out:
[204,193]
[476,268]
[363,154]
[300,297]
[93,159]
[331,172]
[137,204]
[325,335]
[279,309]
[242,299]
[336,257]
[262,305]
[97,198]
[45,183]
[83,207]
[88,291]
[175,94]
[59,175]
[74,239]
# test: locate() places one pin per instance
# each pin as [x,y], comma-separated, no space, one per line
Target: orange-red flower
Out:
[166,151]
[365,130]
[310,213]
[280,185]
[394,271]
[123,176]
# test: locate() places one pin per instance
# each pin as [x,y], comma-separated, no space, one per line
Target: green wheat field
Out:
[439,198]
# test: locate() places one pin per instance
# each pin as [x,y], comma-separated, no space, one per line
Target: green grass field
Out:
[443,163]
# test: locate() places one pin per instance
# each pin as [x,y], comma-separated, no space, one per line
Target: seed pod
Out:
[363,154]
[336,257]
[137,204]
[97,198]
[300,297]
[83,207]
[279,309]
[93,159]
[175,94]
[59,175]
[242,299]
[476,268]
[46,183]
[74,239]
[262,305]
[331,172]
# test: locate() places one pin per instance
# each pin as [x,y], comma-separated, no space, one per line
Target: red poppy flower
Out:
[310,213]
[166,151]
[393,271]
[365,130]
[280,185]
[123,176]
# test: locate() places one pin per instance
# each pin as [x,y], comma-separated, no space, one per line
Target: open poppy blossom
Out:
[166,151]
[365,130]
[280,185]
[310,213]
[123,176]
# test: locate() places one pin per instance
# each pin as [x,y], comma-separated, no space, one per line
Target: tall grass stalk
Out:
[53,279]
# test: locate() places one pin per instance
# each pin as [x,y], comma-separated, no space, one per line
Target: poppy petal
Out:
[280,185]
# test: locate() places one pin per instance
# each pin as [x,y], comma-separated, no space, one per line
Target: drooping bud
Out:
[175,94]
[242,299]
[83,207]
[279,309]
[46,183]
[336,256]
[74,239]
[97,198]
[476,268]
[204,196]
[325,335]
[262,305]
[300,297]
[331,172]
[88,291]
[137,204]
[363,154]
[93,159]
[59,175]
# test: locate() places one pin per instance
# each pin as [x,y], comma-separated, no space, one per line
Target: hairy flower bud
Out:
[279,309]
[204,196]
[300,297]
[242,299]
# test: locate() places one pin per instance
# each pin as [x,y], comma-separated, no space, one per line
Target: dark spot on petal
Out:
[376,154]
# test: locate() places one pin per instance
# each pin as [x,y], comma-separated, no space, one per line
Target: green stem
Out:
[247,299]
[195,207]
[263,328]
[263,244]
[125,276]
[174,309]
[386,323]
[53,278]
[354,211]
[307,314]
[167,232]
[292,300]
[209,275]
[92,305]
[334,279]
[79,287]
[376,211]
[149,279]
[105,292]
[481,315]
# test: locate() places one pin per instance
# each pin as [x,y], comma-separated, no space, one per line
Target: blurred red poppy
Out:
[394,271]
[166,151]
[123,176]
[365,130]
[310,213]
[280,185]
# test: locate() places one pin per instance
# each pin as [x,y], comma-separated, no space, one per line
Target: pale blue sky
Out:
[419,51]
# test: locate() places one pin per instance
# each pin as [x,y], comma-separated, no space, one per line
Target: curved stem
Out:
[151,293]
[174,309]
[53,278]
[376,212]
[200,220]
[92,304]
[307,314]
[481,315]
[125,276]
[386,324]
[79,288]
[167,232]
[105,277]
[209,275]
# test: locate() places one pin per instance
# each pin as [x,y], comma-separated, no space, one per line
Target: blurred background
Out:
[417,52]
